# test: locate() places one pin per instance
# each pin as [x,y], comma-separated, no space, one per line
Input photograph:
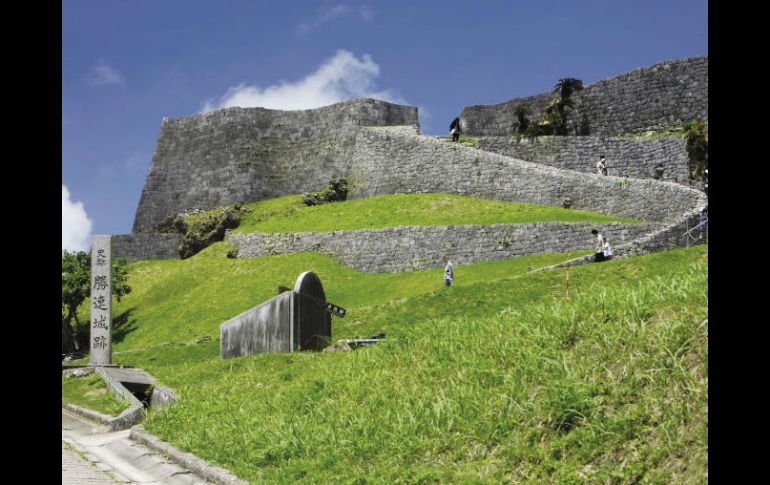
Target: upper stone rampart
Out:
[659,97]
[248,154]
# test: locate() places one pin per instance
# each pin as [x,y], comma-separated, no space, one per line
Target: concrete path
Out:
[77,470]
[93,455]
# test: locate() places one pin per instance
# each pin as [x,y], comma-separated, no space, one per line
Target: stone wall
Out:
[248,154]
[667,237]
[398,160]
[662,96]
[138,246]
[409,248]
[625,157]
[243,155]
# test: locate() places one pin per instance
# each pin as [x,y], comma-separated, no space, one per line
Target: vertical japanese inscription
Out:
[101,300]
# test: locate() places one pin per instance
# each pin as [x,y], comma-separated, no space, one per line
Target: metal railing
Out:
[701,229]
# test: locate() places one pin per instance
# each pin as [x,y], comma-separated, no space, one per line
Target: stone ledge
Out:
[187,460]
[88,413]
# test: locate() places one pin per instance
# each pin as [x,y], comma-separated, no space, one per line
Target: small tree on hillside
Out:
[76,288]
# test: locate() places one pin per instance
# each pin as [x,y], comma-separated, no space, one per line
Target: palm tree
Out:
[568,85]
[521,113]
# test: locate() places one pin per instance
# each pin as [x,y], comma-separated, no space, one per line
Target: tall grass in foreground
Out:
[609,384]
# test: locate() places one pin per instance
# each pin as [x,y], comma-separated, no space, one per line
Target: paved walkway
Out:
[111,457]
[75,470]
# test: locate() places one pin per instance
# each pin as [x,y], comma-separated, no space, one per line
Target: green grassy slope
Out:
[288,214]
[596,373]
[179,300]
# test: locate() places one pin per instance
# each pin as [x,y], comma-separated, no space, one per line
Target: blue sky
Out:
[127,64]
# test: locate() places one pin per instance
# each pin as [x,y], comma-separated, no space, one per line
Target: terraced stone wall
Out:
[397,160]
[625,157]
[409,248]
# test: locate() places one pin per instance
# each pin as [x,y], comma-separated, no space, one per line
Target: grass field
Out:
[596,373]
[181,300]
[288,214]
[591,374]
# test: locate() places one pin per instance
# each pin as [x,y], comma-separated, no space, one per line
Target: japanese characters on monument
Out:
[101,300]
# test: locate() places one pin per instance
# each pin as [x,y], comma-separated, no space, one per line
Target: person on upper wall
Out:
[657,172]
[601,166]
[454,129]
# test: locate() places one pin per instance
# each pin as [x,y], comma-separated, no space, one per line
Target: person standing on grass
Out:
[449,272]
[599,247]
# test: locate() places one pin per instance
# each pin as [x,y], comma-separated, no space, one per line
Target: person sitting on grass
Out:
[606,249]
[599,248]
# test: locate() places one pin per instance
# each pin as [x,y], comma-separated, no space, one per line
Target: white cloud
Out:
[363,12]
[339,78]
[104,75]
[366,13]
[75,225]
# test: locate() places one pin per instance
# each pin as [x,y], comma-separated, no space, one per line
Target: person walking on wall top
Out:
[454,129]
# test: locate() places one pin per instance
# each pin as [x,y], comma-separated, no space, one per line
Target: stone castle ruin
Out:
[248,154]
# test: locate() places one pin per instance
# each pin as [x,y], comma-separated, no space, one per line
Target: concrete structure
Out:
[101,300]
[126,383]
[293,320]
[410,248]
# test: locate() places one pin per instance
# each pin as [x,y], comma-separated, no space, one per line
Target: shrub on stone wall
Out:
[697,136]
[337,190]
[205,228]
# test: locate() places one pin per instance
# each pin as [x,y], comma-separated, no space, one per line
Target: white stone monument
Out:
[101,300]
